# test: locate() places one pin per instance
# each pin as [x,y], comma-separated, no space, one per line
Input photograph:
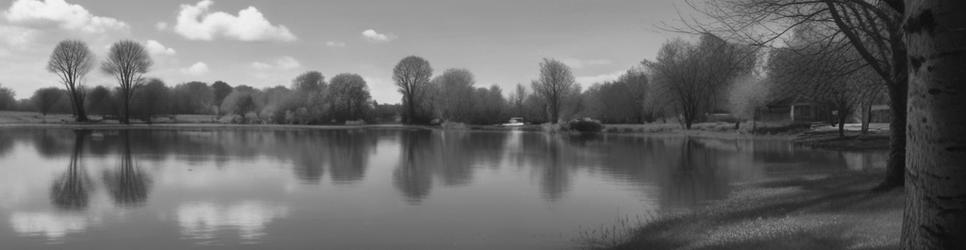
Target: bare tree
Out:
[71,61]
[636,82]
[412,75]
[517,100]
[935,211]
[872,27]
[696,76]
[556,82]
[127,61]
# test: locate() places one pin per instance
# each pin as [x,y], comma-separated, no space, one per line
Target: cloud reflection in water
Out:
[205,220]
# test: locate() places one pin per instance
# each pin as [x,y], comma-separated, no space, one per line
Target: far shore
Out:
[823,137]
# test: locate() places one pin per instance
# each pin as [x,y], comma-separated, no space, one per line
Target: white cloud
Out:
[161,26]
[196,23]
[158,49]
[335,44]
[587,80]
[282,63]
[60,13]
[578,63]
[199,68]
[376,37]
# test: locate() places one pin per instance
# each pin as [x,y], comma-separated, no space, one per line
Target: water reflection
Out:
[271,187]
[413,176]
[694,178]
[204,220]
[127,184]
[53,226]
[71,191]
[6,144]
[547,157]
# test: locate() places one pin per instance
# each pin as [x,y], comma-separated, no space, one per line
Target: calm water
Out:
[363,189]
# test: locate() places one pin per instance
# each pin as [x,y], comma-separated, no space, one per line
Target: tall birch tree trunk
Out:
[935,213]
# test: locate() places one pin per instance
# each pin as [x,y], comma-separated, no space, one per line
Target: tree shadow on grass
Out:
[836,212]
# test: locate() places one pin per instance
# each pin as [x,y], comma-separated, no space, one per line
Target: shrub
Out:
[585,126]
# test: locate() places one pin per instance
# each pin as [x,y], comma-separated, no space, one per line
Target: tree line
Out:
[686,82]
[310,100]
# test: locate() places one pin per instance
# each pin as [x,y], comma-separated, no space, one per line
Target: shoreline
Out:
[528,128]
[814,139]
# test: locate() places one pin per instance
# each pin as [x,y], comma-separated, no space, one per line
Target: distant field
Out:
[33,117]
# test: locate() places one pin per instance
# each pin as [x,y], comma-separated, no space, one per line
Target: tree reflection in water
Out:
[413,177]
[71,191]
[696,177]
[6,143]
[127,185]
[450,156]
[555,171]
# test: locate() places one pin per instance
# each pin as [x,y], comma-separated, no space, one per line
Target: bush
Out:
[585,126]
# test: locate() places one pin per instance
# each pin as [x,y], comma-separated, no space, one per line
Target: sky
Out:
[264,43]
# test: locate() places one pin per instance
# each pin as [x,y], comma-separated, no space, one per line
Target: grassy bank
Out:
[827,212]
[14,119]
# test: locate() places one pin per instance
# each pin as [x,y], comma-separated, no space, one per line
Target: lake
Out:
[377,188]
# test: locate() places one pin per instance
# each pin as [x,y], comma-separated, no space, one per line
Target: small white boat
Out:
[514,122]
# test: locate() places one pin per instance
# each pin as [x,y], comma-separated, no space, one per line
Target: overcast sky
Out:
[265,43]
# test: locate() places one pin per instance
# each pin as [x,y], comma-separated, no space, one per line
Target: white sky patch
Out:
[586,81]
[158,49]
[60,13]
[161,26]
[579,64]
[376,37]
[335,44]
[199,68]
[195,22]
[15,37]
[383,90]
[282,63]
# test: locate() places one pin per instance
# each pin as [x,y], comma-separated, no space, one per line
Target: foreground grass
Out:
[831,212]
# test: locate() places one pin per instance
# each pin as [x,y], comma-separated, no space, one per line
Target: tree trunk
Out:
[866,117]
[411,108]
[896,165]
[554,112]
[841,125]
[78,107]
[935,212]
[126,106]
[754,121]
